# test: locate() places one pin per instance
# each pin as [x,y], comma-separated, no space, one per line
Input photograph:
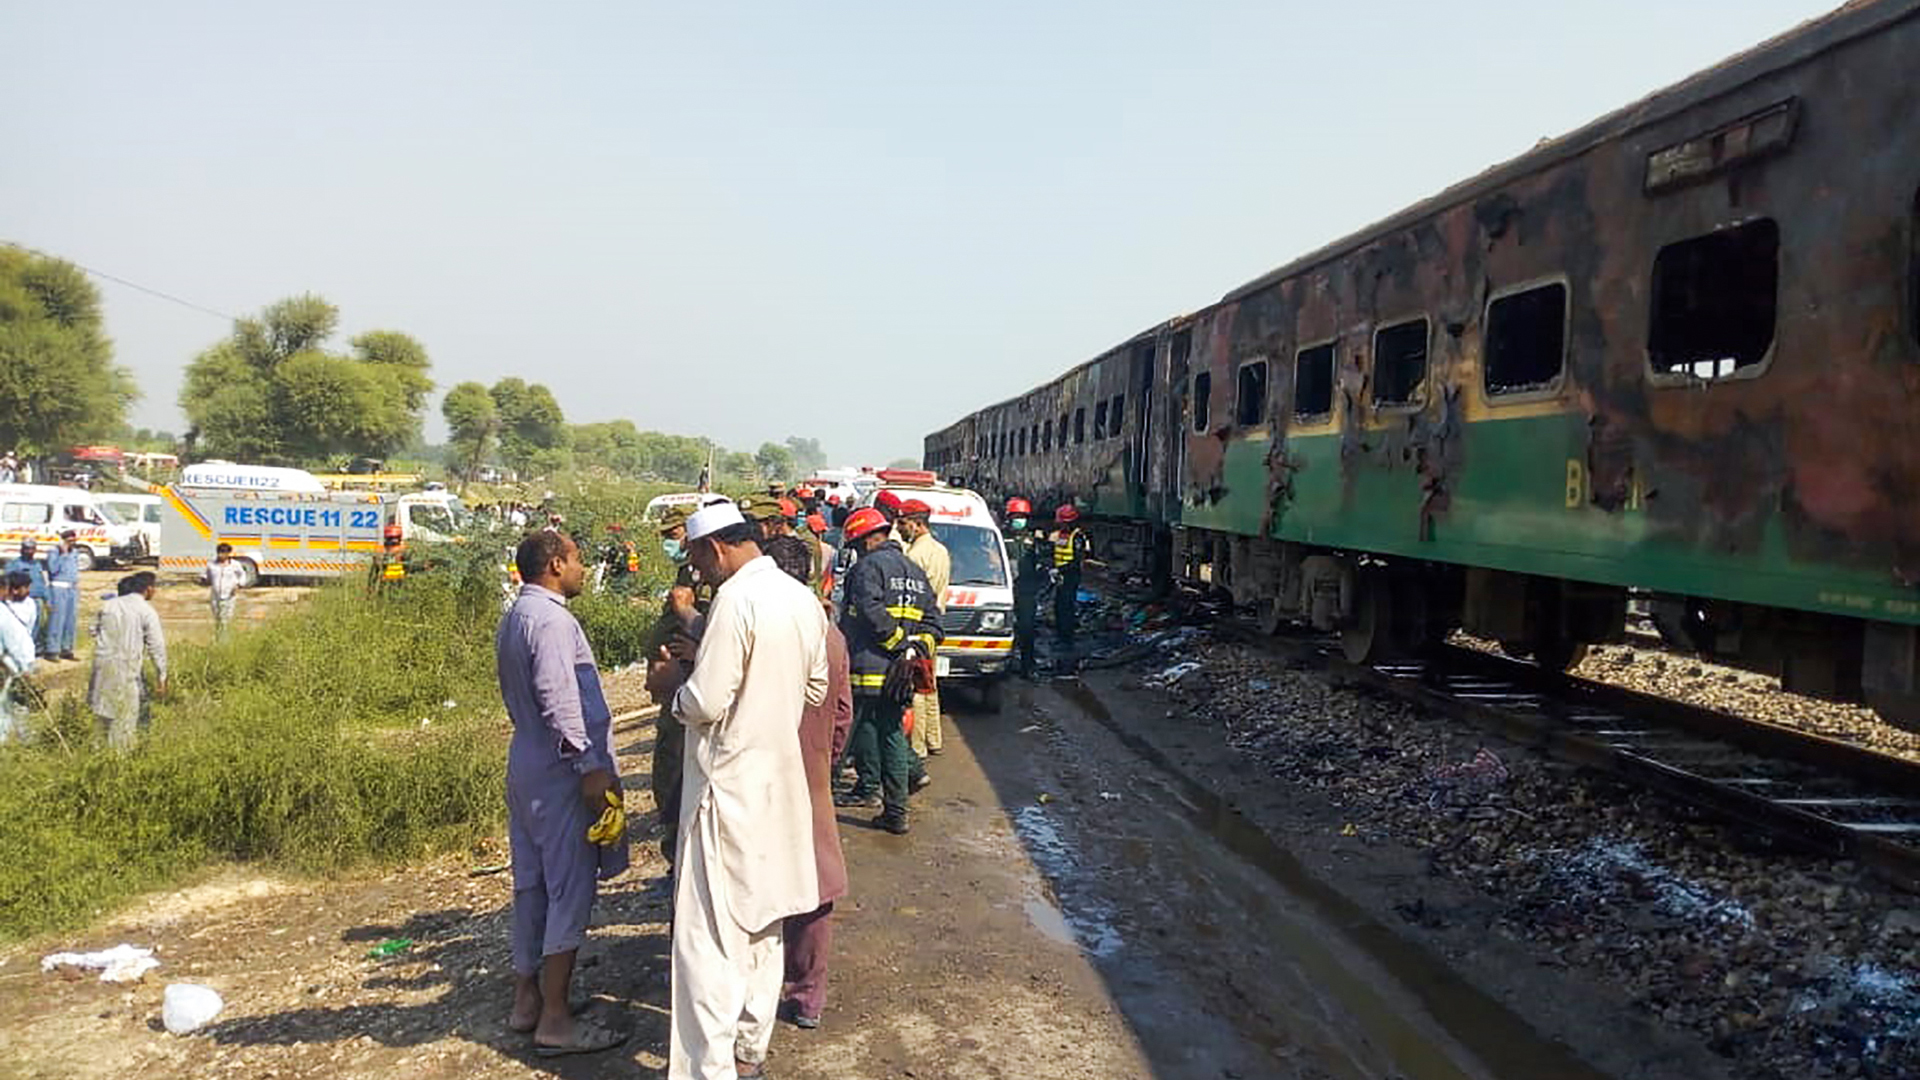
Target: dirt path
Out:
[1060,910]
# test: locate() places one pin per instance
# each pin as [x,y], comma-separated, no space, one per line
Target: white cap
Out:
[711,519]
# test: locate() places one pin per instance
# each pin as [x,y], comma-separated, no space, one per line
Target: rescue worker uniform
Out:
[930,555]
[889,609]
[63,615]
[1070,550]
[1033,560]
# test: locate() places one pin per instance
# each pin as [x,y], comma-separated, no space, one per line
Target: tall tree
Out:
[775,461]
[533,430]
[58,383]
[807,455]
[473,421]
[272,392]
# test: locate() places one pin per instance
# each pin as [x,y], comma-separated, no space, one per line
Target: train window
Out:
[1202,400]
[1079,425]
[1399,362]
[1526,339]
[1115,414]
[1034,441]
[1313,381]
[1020,443]
[1714,301]
[1250,400]
[1913,271]
[1100,420]
[1063,431]
[1048,441]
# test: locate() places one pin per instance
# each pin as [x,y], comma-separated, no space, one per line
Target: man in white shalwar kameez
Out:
[746,840]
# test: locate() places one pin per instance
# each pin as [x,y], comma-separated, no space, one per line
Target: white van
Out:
[977,612]
[226,474]
[41,512]
[140,513]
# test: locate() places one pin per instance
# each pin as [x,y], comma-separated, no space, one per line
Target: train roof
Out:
[1796,46]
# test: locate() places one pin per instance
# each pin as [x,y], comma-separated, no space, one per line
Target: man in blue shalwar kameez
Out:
[560,769]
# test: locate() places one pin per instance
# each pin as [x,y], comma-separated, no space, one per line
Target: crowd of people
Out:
[775,657]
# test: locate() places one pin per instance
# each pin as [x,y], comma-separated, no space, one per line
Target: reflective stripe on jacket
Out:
[888,605]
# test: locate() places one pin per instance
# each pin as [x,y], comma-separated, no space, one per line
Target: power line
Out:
[118,280]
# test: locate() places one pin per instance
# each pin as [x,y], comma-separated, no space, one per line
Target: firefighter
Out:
[390,566]
[1070,550]
[1032,564]
[891,627]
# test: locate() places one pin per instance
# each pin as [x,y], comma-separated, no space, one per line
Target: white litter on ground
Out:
[1603,868]
[187,1007]
[1173,674]
[122,963]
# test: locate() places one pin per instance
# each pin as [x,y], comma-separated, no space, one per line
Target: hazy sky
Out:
[850,220]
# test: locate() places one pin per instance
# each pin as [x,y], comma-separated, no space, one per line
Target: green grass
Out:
[319,741]
[314,743]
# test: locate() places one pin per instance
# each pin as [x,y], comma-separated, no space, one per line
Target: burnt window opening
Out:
[1047,438]
[1313,381]
[1714,301]
[1116,414]
[1034,441]
[1182,348]
[1913,269]
[1202,400]
[1100,420]
[1079,425]
[1020,443]
[1526,339]
[1399,362]
[1063,431]
[1250,400]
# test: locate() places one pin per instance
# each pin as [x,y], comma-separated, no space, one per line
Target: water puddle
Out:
[1500,1039]
[1085,921]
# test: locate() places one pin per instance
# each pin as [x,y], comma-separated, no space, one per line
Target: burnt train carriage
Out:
[1676,350]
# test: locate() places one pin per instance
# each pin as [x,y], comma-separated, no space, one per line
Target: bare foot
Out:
[526,1006]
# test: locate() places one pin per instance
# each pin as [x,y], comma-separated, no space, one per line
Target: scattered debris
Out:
[389,947]
[122,963]
[188,1007]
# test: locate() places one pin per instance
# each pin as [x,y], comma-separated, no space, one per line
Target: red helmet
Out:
[915,508]
[833,500]
[861,522]
[816,523]
[888,501]
[1067,514]
[788,508]
[803,491]
[1018,505]
[391,533]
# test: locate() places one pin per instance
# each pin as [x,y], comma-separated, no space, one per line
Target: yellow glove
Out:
[612,824]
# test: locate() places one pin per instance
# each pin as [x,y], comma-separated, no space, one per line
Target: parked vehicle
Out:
[138,512]
[40,512]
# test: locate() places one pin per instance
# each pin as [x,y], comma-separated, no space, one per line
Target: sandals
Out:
[589,1037]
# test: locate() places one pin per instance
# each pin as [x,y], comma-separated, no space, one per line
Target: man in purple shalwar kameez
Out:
[560,768]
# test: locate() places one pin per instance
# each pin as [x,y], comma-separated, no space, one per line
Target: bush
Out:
[321,740]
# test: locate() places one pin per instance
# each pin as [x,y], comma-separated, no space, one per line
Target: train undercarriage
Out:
[1395,608]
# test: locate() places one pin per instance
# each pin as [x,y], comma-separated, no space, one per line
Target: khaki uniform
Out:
[931,557]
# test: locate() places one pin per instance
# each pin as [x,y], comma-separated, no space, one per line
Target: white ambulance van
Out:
[977,613]
[41,512]
[140,513]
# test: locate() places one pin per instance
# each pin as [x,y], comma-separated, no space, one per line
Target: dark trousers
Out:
[880,752]
[669,757]
[806,940]
[1066,608]
[1026,621]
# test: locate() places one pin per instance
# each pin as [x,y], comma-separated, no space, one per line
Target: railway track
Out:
[1807,792]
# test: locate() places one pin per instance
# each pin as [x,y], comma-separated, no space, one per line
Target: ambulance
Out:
[977,612]
[285,524]
[41,512]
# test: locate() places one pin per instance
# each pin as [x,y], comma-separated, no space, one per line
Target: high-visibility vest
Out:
[633,559]
[394,570]
[1063,548]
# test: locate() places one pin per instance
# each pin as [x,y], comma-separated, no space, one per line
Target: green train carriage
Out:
[1675,351]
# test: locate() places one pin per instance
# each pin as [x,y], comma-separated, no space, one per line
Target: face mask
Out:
[674,550]
[1019,524]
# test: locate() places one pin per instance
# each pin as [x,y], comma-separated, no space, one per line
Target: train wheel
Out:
[1554,654]
[1272,615]
[1368,637]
